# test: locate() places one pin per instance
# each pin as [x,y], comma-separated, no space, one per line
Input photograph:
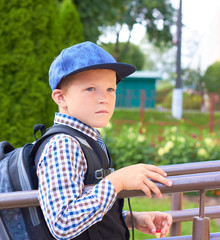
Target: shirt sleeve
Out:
[124,213]
[69,211]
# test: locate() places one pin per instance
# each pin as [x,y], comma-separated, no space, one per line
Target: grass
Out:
[145,204]
[155,115]
[195,122]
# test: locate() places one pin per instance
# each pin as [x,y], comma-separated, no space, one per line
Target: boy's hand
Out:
[149,222]
[137,177]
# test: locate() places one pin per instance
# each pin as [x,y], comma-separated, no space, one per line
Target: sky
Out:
[197,15]
[197,18]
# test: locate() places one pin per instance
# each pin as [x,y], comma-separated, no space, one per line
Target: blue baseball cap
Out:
[82,57]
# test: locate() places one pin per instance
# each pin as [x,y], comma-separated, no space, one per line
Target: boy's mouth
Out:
[101,111]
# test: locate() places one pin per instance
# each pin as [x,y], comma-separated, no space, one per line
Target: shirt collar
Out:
[64,119]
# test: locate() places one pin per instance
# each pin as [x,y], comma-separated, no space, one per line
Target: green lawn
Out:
[145,204]
[191,120]
[155,115]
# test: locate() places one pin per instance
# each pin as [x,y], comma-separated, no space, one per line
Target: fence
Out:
[132,98]
[200,176]
[147,99]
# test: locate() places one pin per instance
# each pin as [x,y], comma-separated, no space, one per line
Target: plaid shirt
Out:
[61,171]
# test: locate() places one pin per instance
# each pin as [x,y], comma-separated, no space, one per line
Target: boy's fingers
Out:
[146,190]
[159,178]
[165,231]
[153,187]
[169,220]
[155,169]
[166,226]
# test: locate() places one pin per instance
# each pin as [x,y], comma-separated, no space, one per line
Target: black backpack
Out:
[18,173]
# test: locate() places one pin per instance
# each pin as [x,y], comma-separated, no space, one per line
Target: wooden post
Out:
[176,204]
[142,107]
[211,112]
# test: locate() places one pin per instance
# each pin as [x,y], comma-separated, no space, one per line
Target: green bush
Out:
[30,37]
[212,78]
[70,23]
[128,146]
[177,147]
[190,101]
[162,93]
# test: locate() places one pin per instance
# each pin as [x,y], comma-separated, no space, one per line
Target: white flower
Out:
[169,145]
[208,141]
[202,152]
[141,138]
[181,139]
[160,151]
[173,129]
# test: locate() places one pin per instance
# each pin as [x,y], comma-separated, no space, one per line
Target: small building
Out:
[132,88]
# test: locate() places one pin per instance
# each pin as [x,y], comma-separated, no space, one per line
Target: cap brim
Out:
[122,69]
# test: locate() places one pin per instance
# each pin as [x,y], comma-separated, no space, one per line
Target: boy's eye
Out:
[110,89]
[90,89]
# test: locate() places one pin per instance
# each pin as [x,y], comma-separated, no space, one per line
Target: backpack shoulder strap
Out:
[94,164]
[95,167]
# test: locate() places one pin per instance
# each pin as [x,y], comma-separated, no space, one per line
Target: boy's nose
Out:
[102,97]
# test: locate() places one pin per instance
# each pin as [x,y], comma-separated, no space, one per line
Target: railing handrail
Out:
[213,236]
[181,183]
[185,177]
[191,168]
[188,214]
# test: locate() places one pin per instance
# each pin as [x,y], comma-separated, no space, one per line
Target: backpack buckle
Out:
[101,173]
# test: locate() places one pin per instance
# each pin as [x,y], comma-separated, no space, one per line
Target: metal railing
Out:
[200,176]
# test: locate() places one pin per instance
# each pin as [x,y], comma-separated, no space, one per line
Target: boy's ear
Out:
[59,98]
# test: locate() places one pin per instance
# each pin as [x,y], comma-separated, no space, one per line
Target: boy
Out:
[83,79]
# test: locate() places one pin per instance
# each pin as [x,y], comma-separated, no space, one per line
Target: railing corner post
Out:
[201,224]
[201,228]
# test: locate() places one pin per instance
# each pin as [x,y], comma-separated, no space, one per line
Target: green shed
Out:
[129,90]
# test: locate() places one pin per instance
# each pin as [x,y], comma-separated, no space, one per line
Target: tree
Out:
[95,15]
[156,15]
[70,22]
[212,78]
[30,37]
[133,56]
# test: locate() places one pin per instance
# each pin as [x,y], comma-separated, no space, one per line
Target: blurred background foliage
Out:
[172,146]
[132,55]
[156,15]
[32,33]
[212,78]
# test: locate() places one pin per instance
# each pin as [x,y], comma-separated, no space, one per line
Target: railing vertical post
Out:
[176,204]
[201,224]
[212,113]
[142,107]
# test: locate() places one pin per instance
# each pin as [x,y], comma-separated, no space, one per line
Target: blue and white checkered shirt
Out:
[61,171]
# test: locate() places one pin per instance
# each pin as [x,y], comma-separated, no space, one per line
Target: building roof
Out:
[145,74]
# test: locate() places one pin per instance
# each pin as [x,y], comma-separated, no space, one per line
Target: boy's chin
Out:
[100,125]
